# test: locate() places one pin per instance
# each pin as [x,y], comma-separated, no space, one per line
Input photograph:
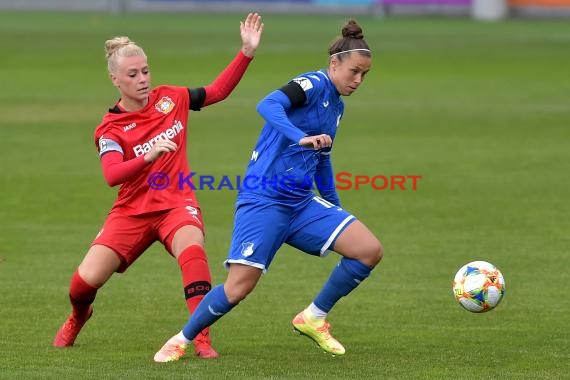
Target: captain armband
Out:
[108,145]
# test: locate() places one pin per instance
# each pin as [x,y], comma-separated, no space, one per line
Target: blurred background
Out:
[478,9]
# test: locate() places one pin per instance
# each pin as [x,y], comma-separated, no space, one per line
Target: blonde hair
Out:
[120,47]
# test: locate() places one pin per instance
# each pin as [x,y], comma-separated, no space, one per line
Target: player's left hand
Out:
[250,31]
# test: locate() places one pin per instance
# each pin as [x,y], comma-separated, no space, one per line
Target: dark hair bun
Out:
[352,30]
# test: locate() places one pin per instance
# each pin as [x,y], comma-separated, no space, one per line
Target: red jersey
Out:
[134,133]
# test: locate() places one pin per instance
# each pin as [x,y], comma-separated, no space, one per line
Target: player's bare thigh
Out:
[241,281]
[98,265]
[186,236]
[358,242]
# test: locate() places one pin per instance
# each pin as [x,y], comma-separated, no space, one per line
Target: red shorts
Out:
[130,236]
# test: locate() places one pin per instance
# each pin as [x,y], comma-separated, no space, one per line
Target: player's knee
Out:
[95,277]
[237,292]
[235,296]
[378,251]
[98,265]
[374,252]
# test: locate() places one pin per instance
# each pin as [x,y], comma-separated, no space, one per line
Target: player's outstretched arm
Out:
[228,79]
[250,31]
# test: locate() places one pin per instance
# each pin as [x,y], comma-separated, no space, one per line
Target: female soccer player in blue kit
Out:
[279,207]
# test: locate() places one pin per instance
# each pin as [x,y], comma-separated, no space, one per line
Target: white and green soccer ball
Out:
[479,286]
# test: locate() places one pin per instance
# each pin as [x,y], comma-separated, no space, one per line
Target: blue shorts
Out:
[261,226]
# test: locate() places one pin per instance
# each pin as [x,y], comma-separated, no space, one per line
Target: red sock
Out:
[81,294]
[196,276]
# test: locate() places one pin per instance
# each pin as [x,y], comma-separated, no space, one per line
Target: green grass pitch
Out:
[480,110]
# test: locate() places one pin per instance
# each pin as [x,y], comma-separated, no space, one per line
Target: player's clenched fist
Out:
[316,142]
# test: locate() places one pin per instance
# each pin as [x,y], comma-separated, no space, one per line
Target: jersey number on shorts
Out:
[194,213]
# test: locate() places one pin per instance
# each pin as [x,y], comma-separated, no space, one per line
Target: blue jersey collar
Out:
[324,73]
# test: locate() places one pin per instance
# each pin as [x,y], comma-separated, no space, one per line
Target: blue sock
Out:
[345,277]
[212,307]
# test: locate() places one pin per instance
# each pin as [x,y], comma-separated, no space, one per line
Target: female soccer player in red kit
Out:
[144,134]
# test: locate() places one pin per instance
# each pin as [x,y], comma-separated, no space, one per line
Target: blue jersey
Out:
[279,167]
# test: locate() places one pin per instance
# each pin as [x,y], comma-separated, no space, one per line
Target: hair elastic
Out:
[348,51]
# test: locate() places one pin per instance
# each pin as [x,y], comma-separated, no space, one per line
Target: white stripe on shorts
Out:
[245,262]
[335,233]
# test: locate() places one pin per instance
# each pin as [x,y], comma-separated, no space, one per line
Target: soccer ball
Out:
[478,286]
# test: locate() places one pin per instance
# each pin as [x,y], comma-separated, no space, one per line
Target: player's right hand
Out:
[316,142]
[159,148]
